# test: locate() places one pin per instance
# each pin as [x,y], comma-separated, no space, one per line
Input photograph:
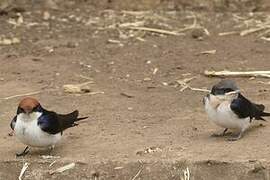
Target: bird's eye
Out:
[226,90]
[213,90]
[20,110]
[37,108]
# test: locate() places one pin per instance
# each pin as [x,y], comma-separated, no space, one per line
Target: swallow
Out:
[35,126]
[228,108]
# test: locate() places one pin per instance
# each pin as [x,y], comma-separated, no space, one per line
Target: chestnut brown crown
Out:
[28,104]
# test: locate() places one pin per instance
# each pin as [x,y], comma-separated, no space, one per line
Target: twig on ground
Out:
[228,33]
[198,89]
[138,173]
[265,38]
[208,52]
[95,92]
[160,31]
[50,165]
[132,24]
[186,174]
[64,168]
[252,30]
[135,13]
[126,95]
[25,166]
[20,95]
[265,74]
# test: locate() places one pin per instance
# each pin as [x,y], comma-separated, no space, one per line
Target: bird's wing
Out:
[244,108]
[49,122]
[13,122]
[54,123]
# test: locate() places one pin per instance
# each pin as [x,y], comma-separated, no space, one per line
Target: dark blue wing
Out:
[244,108]
[49,123]
[54,123]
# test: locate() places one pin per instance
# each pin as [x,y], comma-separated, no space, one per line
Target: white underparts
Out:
[28,132]
[220,113]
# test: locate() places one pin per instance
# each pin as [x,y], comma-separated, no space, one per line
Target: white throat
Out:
[29,117]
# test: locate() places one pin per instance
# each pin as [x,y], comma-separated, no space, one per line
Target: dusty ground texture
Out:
[142,124]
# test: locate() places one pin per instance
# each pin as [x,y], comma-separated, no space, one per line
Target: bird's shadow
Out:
[37,152]
[254,127]
[232,133]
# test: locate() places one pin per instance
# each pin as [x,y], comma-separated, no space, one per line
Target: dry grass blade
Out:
[135,13]
[96,92]
[209,52]
[265,74]
[185,81]
[228,33]
[198,89]
[50,165]
[134,24]
[49,157]
[160,31]
[138,173]
[126,95]
[186,174]
[25,166]
[64,168]
[265,38]
[264,33]
[184,84]
[252,30]
[20,95]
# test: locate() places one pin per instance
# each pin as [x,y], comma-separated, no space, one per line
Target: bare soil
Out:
[139,109]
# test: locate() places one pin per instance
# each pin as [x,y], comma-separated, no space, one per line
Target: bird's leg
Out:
[221,134]
[25,151]
[51,148]
[224,132]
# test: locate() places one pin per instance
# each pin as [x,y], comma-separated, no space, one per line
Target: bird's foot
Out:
[236,137]
[25,151]
[11,133]
[217,135]
[50,149]
[220,134]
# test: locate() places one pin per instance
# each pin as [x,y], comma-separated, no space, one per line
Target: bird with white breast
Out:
[228,108]
[37,127]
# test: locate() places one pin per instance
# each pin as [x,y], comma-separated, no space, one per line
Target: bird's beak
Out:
[27,111]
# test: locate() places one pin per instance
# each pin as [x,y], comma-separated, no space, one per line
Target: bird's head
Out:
[225,90]
[223,87]
[28,105]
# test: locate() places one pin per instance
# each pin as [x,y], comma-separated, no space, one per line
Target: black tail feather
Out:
[68,120]
[81,118]
[265,114]
[262,114]
[260,118]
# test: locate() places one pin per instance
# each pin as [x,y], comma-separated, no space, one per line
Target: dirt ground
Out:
[140,124]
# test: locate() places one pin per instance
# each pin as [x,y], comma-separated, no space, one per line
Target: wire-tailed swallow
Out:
[228,108]
[37,127]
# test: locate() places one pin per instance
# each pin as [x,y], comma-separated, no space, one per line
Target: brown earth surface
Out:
[142,124]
